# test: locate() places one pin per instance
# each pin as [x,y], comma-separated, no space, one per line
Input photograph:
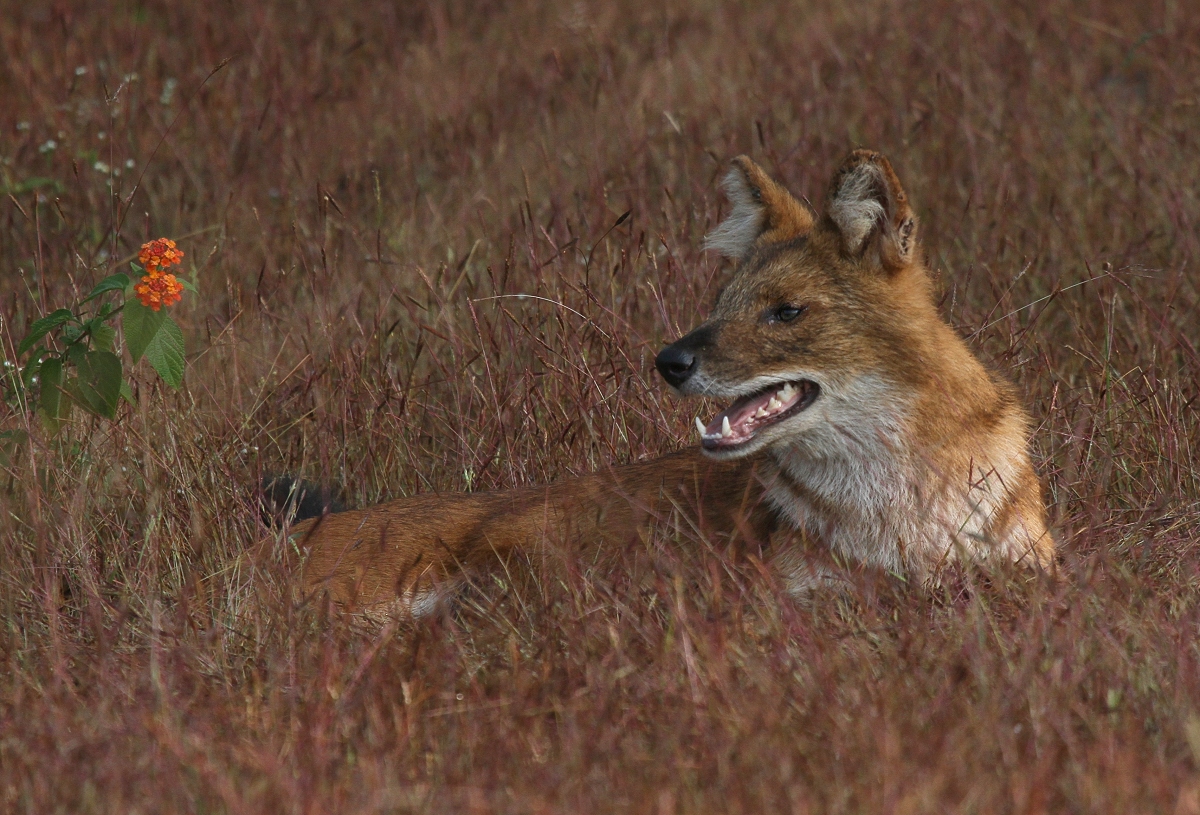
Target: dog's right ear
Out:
[868,207]
[763,212]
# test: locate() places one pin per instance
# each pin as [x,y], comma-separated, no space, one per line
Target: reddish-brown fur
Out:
[412,545]
[910,455]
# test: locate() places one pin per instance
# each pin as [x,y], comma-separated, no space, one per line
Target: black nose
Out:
[675,364]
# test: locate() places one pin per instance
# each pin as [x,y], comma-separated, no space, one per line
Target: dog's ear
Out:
[869,209]
[763,212]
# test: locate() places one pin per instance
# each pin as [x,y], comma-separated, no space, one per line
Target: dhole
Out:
[861,431]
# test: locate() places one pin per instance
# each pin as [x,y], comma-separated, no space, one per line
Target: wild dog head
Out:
[824,310]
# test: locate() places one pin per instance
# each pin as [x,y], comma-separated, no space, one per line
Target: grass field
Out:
[360,187]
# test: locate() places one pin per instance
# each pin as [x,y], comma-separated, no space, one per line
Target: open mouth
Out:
[750,415]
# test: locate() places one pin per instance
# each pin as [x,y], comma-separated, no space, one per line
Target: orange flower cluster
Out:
[158,254]
[158,288]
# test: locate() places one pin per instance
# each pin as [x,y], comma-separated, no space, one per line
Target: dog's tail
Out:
[293,499]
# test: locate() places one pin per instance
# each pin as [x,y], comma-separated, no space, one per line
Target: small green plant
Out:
[70,354]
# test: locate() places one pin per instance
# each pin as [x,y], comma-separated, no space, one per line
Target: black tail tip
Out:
[287,498]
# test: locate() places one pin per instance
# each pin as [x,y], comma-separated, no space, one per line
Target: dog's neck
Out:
[898,478]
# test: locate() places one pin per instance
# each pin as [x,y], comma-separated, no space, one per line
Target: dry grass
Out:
[361,182]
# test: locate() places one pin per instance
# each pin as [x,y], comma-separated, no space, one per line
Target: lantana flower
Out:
[159,254]
[158,288]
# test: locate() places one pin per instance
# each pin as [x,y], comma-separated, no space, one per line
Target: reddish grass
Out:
[361,187]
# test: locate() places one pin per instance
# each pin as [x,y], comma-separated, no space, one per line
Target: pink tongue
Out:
[739,411]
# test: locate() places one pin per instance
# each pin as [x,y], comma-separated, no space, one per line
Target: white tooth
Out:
[700,426]
[726,430]
[760,413]
[787,392]
[774,404]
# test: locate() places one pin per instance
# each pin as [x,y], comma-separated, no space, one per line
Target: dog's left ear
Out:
[764,212]
[869,208]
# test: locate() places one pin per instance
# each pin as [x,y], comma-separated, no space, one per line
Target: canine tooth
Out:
[726,430]
[700,426]
[774,404]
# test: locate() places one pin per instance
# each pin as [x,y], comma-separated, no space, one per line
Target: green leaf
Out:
[11,442]
[50,397]
[187,284]
[165,353]
[105,336]
[116,282]
[98,385]
[31,368]
[75,354]
[126,392]
[42,327]
[141,326]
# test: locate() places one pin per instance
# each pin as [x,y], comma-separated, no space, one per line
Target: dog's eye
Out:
[787,312]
